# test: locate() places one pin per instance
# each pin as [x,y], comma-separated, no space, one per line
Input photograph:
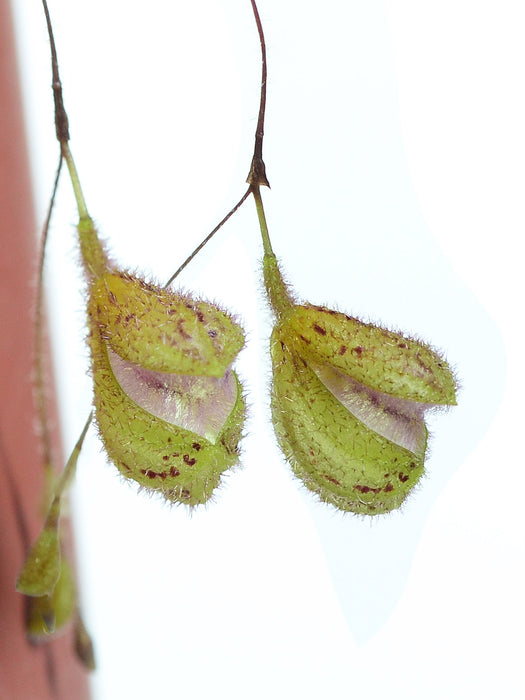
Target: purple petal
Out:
[399,420]
[196,403]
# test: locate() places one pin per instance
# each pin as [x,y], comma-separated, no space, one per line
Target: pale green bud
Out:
[49,614]
[42,565]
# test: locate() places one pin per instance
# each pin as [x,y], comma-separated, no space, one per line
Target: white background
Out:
[395,149]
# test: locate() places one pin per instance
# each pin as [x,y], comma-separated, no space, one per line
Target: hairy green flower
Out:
[348,402]
[169,407]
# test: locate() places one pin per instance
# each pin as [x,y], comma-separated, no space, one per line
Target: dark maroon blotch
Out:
[332,479]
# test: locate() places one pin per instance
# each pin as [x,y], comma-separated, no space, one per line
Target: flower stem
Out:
[267,245]
[279,295]
[93,255]
[75,181]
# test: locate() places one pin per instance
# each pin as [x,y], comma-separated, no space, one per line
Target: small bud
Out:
[48,614]
[83,644]
[42,565]
[348,402]
[169,407]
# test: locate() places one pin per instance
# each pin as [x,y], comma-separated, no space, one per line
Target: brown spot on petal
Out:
[331,479]
[324,310]
[342,349]
[389,487]
[196,446]
[366,489]
[149,473]
[190,461]
[319,329]
[180,324]
[403,477]
[174,472]
[358,350]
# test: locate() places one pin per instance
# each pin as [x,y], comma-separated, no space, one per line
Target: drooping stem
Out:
[39,334]
[209,237]
[75,181]
[93,254]
[280,297]
[267,245]
[257,175]
[62,133]
[61,120]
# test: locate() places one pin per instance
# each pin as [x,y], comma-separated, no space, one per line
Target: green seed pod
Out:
[169,408]
[348,402]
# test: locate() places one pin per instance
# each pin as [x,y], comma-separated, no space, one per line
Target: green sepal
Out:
[332,452]
[161,330]
[380,359]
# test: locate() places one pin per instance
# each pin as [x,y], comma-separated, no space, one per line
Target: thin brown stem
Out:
[209,236]
[61,120]
[257,174]
[39,326]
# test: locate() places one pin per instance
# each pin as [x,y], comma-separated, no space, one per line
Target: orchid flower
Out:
[349,399]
